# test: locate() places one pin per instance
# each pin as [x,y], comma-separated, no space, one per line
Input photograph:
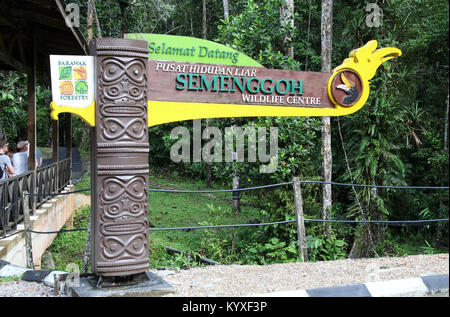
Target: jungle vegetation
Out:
[400,137]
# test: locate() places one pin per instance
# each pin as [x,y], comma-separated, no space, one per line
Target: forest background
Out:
[400,137]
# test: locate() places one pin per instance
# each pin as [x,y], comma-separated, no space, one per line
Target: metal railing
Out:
[48,179]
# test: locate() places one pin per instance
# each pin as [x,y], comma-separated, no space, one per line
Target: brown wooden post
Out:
[31,91]
[27,225]
[301,232]
[55,149]
[68,133]
[119,199]
[236,196]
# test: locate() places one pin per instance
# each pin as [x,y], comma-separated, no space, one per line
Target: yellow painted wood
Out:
[364,61]
[85,113]
[163,112]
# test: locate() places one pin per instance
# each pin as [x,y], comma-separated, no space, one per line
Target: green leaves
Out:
[322,248]
[65,72]
[6,96]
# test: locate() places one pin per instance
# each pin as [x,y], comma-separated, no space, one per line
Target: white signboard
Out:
[72,80]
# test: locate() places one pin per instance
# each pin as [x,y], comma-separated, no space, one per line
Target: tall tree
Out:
[226,11]
[326,46]
[204,25]
[444,151]
[287,18]
[204,29]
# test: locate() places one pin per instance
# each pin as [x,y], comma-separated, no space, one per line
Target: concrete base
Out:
[153,287]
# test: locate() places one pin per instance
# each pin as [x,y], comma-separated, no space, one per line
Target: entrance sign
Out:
[215,91]
[190,78]
[197,91]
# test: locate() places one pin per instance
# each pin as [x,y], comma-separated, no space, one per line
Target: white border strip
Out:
[396,288]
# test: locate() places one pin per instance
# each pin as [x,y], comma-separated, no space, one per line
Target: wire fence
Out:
[349,221]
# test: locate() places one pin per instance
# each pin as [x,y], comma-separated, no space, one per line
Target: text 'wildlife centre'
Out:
[208,78]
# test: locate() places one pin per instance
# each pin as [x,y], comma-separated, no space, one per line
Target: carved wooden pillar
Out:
[119,200]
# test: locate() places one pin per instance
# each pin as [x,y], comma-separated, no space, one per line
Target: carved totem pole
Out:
[119,158]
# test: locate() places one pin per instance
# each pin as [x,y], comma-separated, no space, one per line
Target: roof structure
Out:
[31,31]
[29,27]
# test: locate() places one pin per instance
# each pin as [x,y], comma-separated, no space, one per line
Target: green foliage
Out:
[258,34]
[69,247]
[13,116]
[8,279]
[323,248]
[14,109]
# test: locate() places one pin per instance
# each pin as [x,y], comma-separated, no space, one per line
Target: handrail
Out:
[47,179]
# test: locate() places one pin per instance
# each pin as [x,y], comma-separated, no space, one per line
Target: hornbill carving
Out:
[350,88]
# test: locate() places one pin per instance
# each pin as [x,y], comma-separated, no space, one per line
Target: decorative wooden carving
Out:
[120,159]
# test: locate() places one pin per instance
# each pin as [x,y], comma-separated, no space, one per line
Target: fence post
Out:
[33,191]
[301,232]
[236,196]
[27,224]
[56,177]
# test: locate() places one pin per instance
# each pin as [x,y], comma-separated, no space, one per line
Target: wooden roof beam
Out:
[14,63]
[38,18]
[5,21]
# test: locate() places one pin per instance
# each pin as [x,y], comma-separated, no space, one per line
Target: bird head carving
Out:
[347,84]
[364,62]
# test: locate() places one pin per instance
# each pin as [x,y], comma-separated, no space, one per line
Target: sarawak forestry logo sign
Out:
[73,86]
[72,80]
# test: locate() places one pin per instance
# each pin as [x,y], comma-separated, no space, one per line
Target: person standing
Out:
[20,159]
[7,169]
[38,157]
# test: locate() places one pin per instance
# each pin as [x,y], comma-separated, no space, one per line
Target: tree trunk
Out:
[307,36]
[97,23]
[226,12]
[208,166]
[204,20]
[89,21]
[287,16]
[326,44]
[444,150]
[123,6]
[446,129]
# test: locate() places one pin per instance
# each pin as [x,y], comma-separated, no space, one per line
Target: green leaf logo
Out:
[65,72]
